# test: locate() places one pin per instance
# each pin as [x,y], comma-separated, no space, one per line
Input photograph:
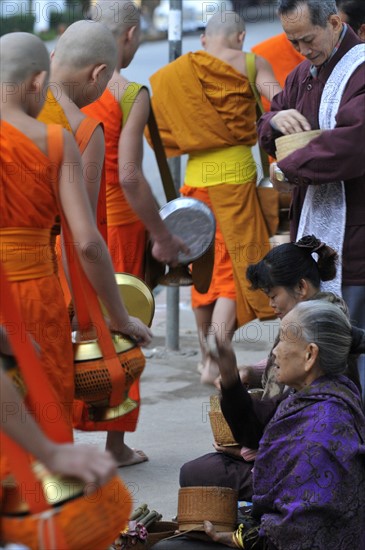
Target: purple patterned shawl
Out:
[309,474]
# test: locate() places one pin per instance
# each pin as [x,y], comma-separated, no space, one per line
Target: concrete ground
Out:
[174,425]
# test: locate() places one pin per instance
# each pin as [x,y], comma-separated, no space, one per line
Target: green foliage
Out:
[17,23]
[66,18]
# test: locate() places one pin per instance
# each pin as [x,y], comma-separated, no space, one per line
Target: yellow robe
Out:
[205,86]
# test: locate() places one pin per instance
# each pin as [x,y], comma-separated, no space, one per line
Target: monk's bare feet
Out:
[209,373]
[129,457]
[124,455]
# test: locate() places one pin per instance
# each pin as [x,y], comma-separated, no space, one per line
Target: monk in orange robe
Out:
[90,47]
[131,207]
[283,58]
[35,162]
[220,170]
[94,49]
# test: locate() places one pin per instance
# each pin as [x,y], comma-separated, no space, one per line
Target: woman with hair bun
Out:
[288,274]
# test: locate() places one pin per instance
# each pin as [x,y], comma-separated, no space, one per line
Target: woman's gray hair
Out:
[319,10]
[325,325]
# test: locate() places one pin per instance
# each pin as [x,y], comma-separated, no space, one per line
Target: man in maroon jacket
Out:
[336,157]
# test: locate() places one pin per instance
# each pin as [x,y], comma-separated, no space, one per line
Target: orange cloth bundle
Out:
[90,521]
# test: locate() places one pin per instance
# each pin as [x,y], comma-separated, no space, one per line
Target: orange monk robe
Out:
[52,113]
[126,240]
[281,55]
[126,232]
[226,109]
[27,212]
[195,114]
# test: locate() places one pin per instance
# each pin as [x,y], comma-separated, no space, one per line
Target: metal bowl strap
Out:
[82,137]
[87,305]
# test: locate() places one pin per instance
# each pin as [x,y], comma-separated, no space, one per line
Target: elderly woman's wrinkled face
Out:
[291,354]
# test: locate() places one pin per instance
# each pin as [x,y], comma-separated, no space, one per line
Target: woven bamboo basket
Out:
[286,145]
[160,530]
[221,431]
[215,504]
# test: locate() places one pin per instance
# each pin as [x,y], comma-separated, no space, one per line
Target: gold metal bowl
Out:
[137,297]
[57,490]
[87,350]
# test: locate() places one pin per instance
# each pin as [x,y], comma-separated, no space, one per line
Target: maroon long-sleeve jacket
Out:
[337,154]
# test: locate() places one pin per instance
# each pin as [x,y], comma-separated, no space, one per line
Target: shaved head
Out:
[117,15]
[86,43]
[224,24]
[22,55]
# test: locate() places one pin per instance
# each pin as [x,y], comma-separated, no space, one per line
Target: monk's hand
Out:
[290,121]
[281,186]
[84,462]
[223,354]
[140,333]
[222,538]
[166,250]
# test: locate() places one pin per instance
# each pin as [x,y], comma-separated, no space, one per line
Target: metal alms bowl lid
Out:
[193,221]
[88,350]
[137,297]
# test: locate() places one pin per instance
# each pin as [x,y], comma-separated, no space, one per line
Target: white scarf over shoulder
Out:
[324,208]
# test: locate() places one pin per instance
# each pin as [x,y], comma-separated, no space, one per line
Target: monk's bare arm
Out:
[135,186]
[92,161]
[266,82]
[92,250]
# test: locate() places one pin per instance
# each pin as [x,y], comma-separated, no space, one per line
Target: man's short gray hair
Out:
[325,325]
[320,10]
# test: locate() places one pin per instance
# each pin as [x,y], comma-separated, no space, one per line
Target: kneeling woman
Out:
[309,474]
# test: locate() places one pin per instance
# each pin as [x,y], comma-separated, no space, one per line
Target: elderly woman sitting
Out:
[309,473]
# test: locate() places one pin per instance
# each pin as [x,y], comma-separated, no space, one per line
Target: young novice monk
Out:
[88,67]
[81,65]
[30,172]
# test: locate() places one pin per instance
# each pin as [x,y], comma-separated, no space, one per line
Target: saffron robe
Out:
[126,239]
[281,55]
[227,114]
[27,211]
[52,113]
[126,232]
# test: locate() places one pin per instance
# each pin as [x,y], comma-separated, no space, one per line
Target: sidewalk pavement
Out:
[174,425]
